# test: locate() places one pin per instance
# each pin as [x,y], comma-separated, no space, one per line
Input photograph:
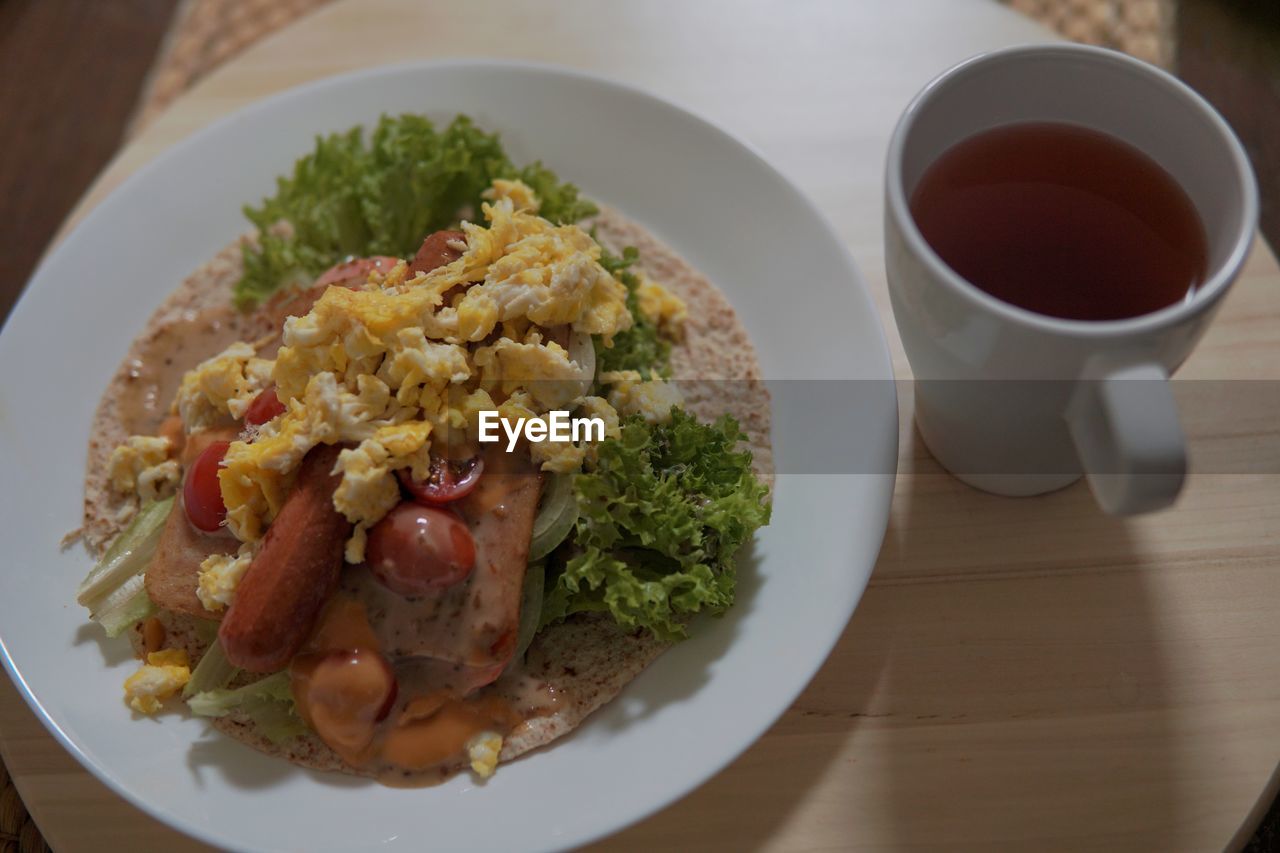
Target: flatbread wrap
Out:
[300,525]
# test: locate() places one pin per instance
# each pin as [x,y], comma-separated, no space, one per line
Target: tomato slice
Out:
[353,273]
[417,550]
[447,481]
[264,407]
[202,493]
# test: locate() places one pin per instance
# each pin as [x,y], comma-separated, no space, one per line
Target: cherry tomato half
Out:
[264,407]
[447,481]
[353,273]
[201,492]
[416,550]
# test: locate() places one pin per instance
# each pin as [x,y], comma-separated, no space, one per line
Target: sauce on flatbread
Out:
[167,352]
[473,623]
[424,734]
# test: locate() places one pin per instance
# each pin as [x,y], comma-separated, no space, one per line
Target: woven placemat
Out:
[1142,28]
[206,33]
[18,833]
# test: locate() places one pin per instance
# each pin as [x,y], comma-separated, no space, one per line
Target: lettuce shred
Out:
[268,702]
[382,198]
[664,511]
[639,348]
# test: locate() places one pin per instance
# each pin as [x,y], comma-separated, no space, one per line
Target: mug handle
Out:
[1125,427]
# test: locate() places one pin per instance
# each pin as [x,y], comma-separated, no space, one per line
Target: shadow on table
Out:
[1027,708]
[766,787]
[1003,665]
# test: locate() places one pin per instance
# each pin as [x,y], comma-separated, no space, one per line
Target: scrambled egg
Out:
[483,751]
[223,385]
[565,457]
[142,465]
[164,674]
[631,395]
[405,361]
[219,576]
[661,307]
[402,361]
[521,195]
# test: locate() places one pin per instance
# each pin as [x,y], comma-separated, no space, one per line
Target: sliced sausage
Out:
[293,574]
[355,272]
[436,251]
[297,301]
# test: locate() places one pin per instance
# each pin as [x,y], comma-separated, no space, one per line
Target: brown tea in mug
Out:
[1062,220]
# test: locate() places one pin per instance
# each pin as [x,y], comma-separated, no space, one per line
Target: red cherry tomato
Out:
[201,492]
[417,550]
[264,407]
[446,482]
[353,273]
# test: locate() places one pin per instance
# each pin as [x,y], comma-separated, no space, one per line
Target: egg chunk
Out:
[163,675]
[142,466]
[219,575]
[221,386]
[483,751]
[661,307]
[630,394]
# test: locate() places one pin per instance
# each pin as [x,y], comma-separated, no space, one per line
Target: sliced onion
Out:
[556,516]
[127,605]
[582,350]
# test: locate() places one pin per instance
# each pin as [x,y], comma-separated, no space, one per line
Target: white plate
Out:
[698,707]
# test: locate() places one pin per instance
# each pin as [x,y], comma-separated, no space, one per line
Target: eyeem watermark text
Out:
[556,426]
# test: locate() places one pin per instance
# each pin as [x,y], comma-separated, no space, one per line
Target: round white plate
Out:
[699,706]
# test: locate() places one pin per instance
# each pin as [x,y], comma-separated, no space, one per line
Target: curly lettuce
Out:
[663,513]
[640,348]
[382,198]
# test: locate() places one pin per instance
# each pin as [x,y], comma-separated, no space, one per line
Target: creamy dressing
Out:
[173,574]
[157,364]
[475,622]
[423,737]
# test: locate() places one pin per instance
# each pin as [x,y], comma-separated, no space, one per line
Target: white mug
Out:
[1020,403]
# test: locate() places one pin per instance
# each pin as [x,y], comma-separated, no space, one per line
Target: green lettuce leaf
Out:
[639,348]
[558,202]
[268,702]
[382,198]
[664,511]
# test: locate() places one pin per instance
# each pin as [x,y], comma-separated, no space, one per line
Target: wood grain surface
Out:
[1021,673]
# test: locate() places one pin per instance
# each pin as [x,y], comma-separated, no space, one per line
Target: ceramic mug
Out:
[1020,403]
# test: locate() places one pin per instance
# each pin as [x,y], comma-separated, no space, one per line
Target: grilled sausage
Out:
[436,251]
[298,566]
[293,574]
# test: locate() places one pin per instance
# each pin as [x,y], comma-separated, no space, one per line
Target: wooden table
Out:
[1021,673]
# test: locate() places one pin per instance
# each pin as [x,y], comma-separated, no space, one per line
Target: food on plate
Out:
[301,524]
